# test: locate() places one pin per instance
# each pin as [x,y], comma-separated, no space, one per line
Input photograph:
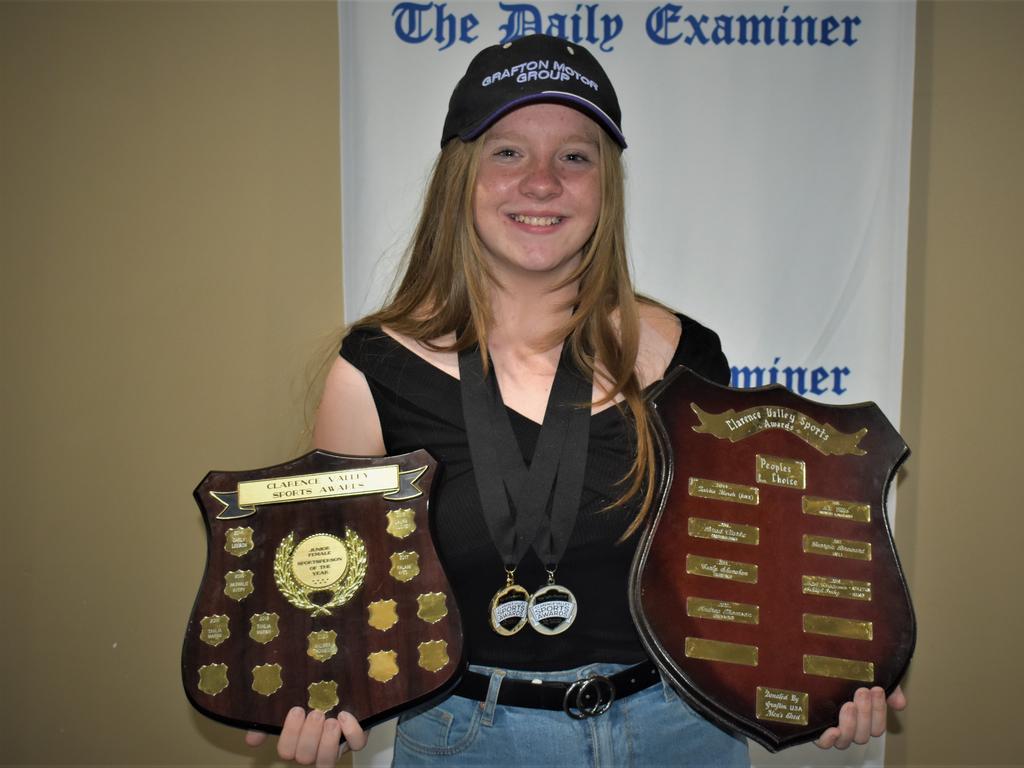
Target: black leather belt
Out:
[579,699]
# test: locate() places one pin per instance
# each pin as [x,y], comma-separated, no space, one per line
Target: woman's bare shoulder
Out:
[660,330]
[661,321]
[346,419]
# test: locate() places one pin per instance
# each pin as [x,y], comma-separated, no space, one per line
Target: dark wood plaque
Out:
[767,586]
[322,589]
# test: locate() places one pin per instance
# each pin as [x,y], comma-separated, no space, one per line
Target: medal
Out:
[554,478]
[552,608]
[508,607]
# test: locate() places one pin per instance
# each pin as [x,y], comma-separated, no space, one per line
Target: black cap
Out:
[536,68]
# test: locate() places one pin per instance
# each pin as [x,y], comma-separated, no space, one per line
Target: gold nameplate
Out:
[845,669]
[781,706]
[238,584]
[840,510]
[433,655]
[320,563]
[722,610]
[827,586]
[734,533]
[323,695]
[716,568]
[401,522]
[405,566]
[213,678]
[263,627]
[719,491]
[833,626]
[238,541]
[321,485]
[383,614]
[785,473]
[825,545]
[432,607]
[214,630]
[718,650]
[266,679]
[732,426]
[383,665]
[322,645]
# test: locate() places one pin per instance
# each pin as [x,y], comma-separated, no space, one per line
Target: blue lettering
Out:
[659,22]
[795,379]
[838,373]
[818,376]
[848,24]
[412,24]
[755,28]
[783,35]
[611,27]
[409,22]
[523,19]
[828,25]
[723,31]
[802,23]
[747,377]
[822,380]
[666,25]
[696,30]
[579,27]
[557,26]
[417,23]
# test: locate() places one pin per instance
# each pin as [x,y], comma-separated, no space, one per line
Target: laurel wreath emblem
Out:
[298,595]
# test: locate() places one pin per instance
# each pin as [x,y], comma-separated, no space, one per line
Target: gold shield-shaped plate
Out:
[322,644]
[401,522]
[313,567]
[767,585]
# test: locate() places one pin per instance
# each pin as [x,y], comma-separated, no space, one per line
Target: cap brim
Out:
[559,97]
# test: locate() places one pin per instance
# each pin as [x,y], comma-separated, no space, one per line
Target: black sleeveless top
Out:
[419,406]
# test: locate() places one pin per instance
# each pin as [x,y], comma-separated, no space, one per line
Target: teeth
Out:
[537,221]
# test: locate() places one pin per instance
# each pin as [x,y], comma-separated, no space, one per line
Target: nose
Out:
[541,180]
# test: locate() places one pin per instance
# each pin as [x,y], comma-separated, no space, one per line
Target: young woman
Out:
[515,308]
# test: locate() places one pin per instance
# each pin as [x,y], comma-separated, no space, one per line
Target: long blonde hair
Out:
[444,291]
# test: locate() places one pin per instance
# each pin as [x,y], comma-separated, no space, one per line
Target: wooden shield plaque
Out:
[767,586]
[322,589]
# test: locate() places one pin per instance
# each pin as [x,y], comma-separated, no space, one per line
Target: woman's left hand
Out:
[862,718]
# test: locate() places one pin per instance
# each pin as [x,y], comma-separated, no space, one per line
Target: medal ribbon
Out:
[559,459]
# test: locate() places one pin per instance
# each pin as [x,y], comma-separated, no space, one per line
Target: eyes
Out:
[570,156]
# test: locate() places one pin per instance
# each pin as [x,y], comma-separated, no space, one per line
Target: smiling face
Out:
[538,191]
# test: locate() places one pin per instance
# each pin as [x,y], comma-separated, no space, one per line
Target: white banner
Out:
[767,172]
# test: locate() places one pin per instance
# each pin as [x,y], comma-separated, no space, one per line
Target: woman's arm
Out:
[346,420]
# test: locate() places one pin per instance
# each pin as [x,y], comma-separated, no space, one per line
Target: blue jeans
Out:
[650,728]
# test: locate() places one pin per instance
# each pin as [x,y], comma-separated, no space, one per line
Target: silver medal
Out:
[552,609]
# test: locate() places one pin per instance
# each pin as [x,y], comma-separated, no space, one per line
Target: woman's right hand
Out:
[313,738]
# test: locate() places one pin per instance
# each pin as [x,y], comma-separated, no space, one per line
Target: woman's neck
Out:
[526,317]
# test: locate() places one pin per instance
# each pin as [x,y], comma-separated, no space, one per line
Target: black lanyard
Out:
[559,459]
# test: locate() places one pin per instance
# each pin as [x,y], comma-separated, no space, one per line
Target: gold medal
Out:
[508,607]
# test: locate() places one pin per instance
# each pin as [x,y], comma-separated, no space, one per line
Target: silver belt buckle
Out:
[575,702]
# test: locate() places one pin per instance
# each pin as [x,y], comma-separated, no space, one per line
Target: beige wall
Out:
[171,234]
[960,523]
[170,223]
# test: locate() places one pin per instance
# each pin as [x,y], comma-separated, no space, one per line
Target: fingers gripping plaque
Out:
[308,563]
